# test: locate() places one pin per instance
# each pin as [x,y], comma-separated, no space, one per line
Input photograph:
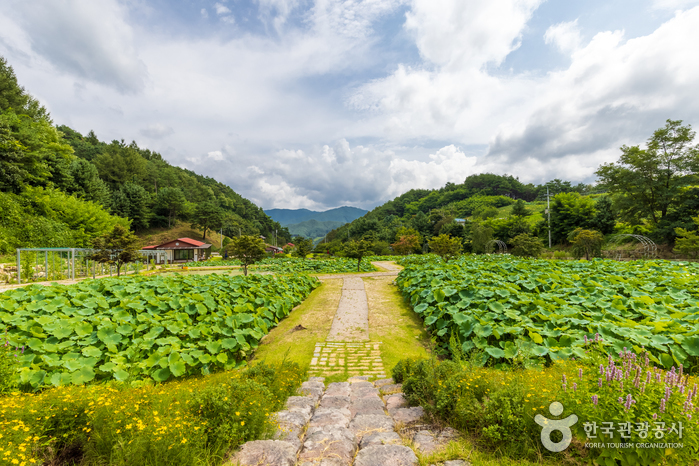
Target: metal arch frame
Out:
[502,247]
[79,255]
[650,249]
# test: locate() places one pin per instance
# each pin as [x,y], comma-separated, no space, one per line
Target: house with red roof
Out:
[182,250]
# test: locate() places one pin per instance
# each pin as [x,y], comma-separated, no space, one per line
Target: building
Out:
[182,250]
[274,249]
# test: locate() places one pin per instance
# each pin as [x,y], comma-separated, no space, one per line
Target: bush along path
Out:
[348,423]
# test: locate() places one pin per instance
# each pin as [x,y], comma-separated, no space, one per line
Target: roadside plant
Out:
[246,249]
[445,246]
[526,245]
[587,243]
[117,247]
[8,363]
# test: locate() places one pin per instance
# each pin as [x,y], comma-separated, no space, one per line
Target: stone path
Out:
[356,422]
[348,423]
[351,321]
[354,359]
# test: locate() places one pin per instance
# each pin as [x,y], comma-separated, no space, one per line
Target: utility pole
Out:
[548,210]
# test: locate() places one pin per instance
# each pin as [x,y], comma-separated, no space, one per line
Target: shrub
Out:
[8,364]
[526,245]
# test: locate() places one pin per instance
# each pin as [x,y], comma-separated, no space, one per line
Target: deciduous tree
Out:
[526,245]
[247,249]
[357,250]
[687,241]
[586,243]
[648,180]
[207,215]
[118,247]
[446,247]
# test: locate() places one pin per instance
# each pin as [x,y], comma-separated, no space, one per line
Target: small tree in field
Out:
[304,246]
[407,241]
[357,250]
[247,249]
[586,243]
[446,247]
[526,245]
[519,209]
[687,241]
[118,247]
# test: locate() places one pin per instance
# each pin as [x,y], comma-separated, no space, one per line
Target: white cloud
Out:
[90,40]
[272,104]
[456,34]
[204,13]
[565,36]
[674,4]
[221,9]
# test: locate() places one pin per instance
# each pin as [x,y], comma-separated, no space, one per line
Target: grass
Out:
[464,449]
[315,314]
[394,323]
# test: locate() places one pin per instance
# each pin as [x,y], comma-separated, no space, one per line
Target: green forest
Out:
[652,192]
[60,188]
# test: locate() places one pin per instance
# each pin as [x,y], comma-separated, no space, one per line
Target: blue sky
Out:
[323,103]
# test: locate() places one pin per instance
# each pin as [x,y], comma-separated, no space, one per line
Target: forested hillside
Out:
[59,188]
[651,191]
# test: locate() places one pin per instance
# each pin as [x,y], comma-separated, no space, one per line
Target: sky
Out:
[323,103]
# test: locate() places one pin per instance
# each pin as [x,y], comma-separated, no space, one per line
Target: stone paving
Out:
[356,422]
[351,358]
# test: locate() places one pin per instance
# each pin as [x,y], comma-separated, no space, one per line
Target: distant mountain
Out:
[287,217]
[313,228]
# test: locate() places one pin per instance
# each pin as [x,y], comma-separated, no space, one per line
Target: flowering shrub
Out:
[8,363]
[176,423]
[629,400]
[627,397]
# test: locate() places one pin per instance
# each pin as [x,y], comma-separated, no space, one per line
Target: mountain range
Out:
[314,224]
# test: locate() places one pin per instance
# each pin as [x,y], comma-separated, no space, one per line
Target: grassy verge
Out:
[394,323]
[466,449]
[315,315]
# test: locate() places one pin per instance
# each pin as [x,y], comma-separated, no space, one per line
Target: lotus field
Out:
[511,308]
[294,265]
[137,328]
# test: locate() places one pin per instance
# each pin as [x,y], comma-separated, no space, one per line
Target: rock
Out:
[339,402]
[385,455]
[266,453]
[300,404]
[426,441]
[330,417]
[396,401]
[336,443]
[382,382]
[393,388]
[325,462]
[456,463]
[364,392]
[361,384]
[358,378]
[407,415]
[316,379]
[370,423]
[448,434]
[290,420]
[338,389]
[314,384]
[292,436]
[366,406]
[312,393]
[380,438]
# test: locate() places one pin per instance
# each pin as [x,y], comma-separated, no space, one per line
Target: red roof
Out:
[149,247]
[191,241]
